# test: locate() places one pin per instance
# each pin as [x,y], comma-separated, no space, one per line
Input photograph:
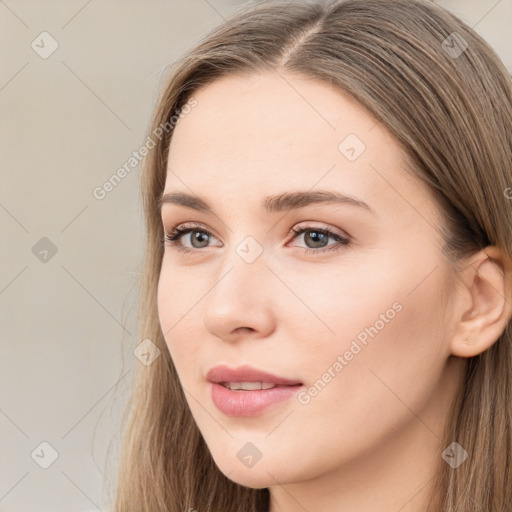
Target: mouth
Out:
[246,391]
[248,386]
[247,375]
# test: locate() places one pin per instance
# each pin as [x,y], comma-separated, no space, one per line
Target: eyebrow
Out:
[278,203]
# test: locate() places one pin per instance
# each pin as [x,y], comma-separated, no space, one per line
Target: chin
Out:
[250,477]
[266,472]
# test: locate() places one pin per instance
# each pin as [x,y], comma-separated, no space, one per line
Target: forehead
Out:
[262,134]
[270,117]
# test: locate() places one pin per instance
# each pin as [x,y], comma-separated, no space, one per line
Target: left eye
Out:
[318,237]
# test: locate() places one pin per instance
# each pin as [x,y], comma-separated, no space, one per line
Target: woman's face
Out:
[361,322]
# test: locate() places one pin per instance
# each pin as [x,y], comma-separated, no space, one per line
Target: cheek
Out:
[176,300]
[379,332]
[179,295]
[339,304]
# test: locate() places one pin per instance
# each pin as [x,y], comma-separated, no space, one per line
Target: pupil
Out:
[316,235]
[197,235]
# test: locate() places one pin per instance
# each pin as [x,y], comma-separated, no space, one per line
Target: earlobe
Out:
[488,284]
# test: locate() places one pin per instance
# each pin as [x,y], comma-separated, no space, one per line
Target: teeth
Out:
[248,386]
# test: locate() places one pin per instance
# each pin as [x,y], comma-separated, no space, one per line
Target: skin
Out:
[377,424]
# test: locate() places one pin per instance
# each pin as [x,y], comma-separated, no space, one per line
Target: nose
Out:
[240,304]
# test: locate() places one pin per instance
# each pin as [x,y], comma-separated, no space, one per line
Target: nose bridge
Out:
[243,268]
[241,296]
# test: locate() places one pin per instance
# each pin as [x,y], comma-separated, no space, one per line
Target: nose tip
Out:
[240,304]
[237,324]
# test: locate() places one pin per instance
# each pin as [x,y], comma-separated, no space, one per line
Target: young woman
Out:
[328,272]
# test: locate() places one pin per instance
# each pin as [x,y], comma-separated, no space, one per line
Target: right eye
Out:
[199,236]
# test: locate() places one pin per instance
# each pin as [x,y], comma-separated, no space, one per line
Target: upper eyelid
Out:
[190,226]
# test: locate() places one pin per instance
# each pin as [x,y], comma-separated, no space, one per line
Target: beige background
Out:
[68,122]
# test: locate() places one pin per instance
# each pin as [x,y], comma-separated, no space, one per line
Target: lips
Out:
[224,375]
[246,391]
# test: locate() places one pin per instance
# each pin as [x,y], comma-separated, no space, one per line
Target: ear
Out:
[485,303]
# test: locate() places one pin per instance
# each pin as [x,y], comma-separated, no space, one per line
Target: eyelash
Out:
[177,233]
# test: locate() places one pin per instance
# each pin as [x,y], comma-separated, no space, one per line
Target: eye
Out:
[199,240]
[317,237]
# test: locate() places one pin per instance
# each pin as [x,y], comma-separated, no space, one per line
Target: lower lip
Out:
[249,403]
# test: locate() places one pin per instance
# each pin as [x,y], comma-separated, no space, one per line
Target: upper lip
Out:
[220,374]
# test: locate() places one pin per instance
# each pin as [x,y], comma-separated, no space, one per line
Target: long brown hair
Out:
[446,97]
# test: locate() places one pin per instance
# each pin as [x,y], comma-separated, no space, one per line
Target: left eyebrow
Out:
[278,203]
